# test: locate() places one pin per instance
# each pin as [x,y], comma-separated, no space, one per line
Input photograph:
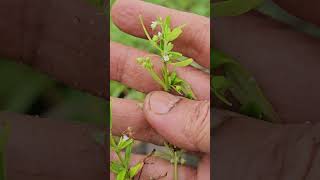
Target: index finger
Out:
[194,41]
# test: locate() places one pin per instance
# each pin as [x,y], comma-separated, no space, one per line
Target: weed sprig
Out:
[169,80]
[162,42]
[121,167]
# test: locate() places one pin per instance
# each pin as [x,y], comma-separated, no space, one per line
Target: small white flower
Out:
[159,34]
[166,58]
[154,24]
[125,137]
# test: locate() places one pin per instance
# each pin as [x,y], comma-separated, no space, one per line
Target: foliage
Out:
[196,6]
[162,41]
[235,78]
[121,167]
[242,86]
[119,90]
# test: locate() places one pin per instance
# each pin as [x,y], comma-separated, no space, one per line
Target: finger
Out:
[128,113]
[182,122]
[195,40]
[124,68]
[156,167]
[284,62]
[40,148]
[263,148]
[69,46]
[310,11]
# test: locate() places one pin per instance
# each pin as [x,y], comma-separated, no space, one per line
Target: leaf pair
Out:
[124,174]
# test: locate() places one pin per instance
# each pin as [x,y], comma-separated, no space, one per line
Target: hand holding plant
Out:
[182,122]
[162,41]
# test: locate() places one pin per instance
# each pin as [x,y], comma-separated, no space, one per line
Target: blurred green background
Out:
[201,7]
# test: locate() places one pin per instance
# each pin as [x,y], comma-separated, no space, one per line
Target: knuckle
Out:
[202,37]
[197,126]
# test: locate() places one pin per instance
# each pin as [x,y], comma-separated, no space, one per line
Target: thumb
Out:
[182,122]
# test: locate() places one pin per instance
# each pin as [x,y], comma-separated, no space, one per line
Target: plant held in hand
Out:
[121,167]
[169,80]
[162,41]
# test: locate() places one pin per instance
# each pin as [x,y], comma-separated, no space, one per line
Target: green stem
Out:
[175,166]
[121,159]
[167,85]
[147,34]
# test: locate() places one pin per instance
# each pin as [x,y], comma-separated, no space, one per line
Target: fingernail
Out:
[162,103]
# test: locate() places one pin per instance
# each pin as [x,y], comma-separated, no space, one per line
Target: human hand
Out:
[65,50]
[164,117]
[285,64]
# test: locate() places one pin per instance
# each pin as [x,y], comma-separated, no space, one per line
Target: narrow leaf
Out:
[124,144]
[122,175]
[135,169]
[128,154]
[116,167]
[183,63]
[174,34]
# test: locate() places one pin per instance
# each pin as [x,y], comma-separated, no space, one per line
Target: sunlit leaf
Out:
[122,175]
[116,167]
[174,34]
[183,63]
[135,169]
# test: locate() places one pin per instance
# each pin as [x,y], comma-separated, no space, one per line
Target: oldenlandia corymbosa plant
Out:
[174,155]
[123,150]
[162,41]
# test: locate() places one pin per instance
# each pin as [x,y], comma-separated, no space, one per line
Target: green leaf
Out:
[175,55]
[112,141]
[135,169]
[128,154]
[122,175]
[244,88]
[174,34]
[124,143]
[252,109]
[116,167]
[220,83]
[169,47]
[219,59]
[183,63]
[155,77]
[167,25]
[234,7]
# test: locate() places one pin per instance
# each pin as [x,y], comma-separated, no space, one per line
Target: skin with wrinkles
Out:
[258,149]
[285,63]
[166,115]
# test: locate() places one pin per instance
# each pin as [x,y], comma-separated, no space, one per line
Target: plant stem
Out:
[175,166]
[120,158]
[166,77]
